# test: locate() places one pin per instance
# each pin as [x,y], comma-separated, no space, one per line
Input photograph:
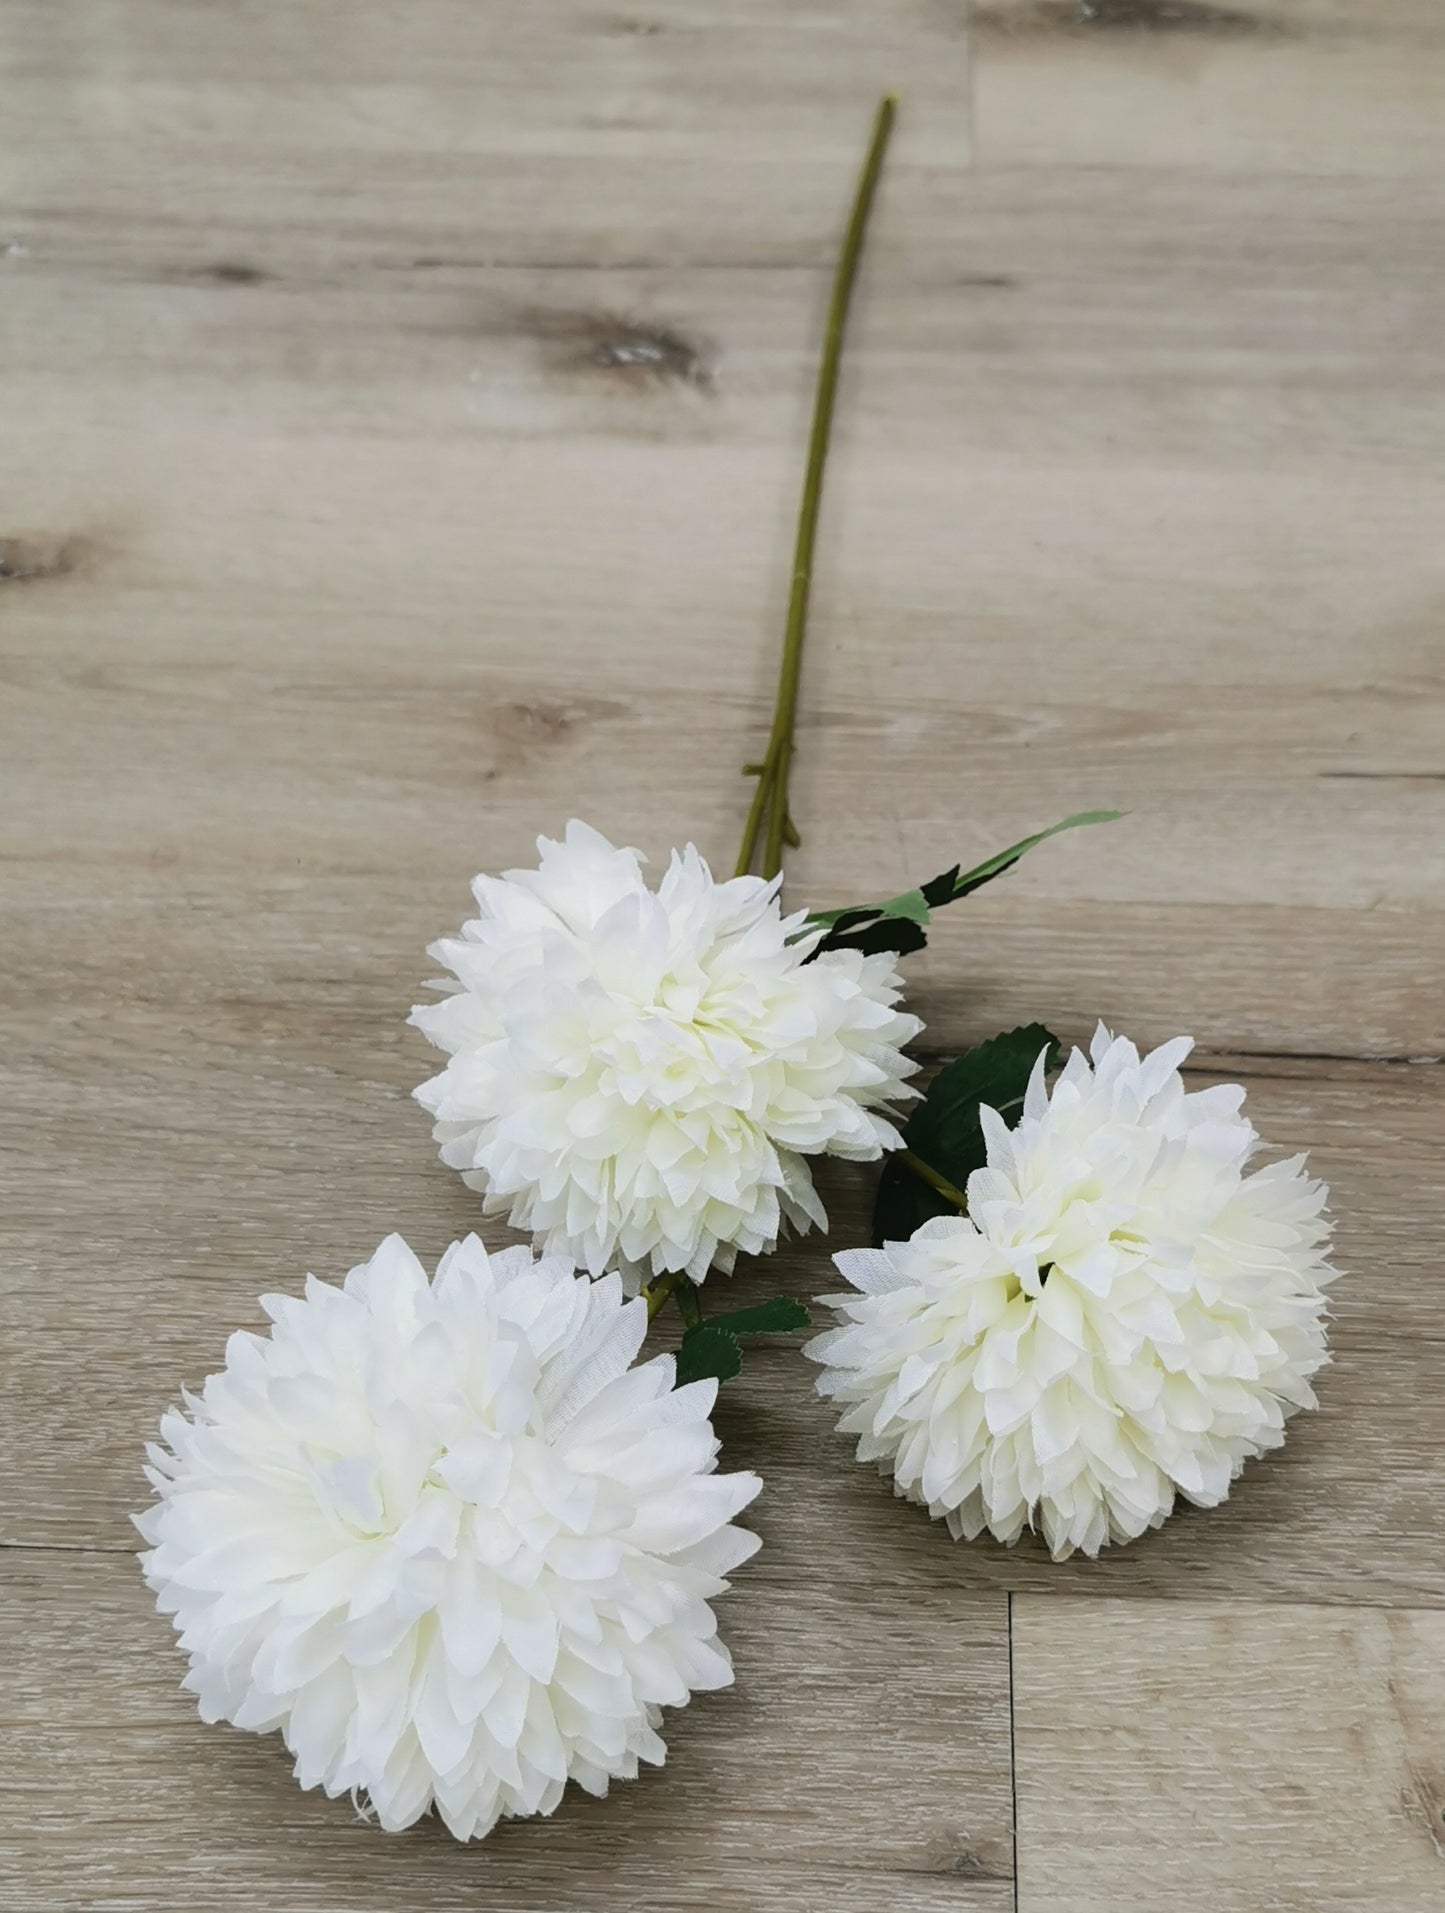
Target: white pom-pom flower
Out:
[637,1076]
[444,1538]
[1123,1315]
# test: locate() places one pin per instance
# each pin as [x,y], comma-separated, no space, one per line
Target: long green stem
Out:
[770,798]
[925,1173]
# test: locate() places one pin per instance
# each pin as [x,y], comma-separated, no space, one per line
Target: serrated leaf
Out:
[995,1072]
[944,1129]
[774,1317]
[900,924]
[708,1350]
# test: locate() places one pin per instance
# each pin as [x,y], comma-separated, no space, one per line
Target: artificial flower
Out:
[636,1076]
[1126,1313]
[444,1538]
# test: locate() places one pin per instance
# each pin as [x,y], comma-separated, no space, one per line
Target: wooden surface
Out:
[1219,1761]
[401,413]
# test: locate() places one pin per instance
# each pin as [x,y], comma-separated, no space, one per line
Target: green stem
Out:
[924,1173]
[656,1293]
[770,799]
[756,808]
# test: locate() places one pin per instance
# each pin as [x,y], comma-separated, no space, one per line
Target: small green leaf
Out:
[708,1350]
[774,1317]
[945,1131]
[912,907]
[900,924]
[995,866]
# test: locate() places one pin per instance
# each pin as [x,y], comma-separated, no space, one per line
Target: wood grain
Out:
[1329,87]
[352,577]
[118,1799]
[1270,1757]
[402,418]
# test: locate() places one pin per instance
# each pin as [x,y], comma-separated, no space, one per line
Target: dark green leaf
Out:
[997,1073]
[900,924]
[688,1305]
[903,1204]
[945,1131]
[774,1317]
[939,890]
[708,1350]
[873,938]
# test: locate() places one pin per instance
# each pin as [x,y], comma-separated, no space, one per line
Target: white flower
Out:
[637,1075]
[1123,1314]
[444,1539]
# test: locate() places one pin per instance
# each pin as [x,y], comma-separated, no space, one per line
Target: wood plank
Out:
[352,550]
[1223,1762]
[1320,86]
[287,601]
[190,1167]
[820,1779]
[403,416]
[565,130]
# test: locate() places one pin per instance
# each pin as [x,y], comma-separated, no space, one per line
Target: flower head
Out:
[636,1076]
[1123,1315]
[444,1539]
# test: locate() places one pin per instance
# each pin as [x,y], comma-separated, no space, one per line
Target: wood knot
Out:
[633,352]
[541,718]
[954,1855]
[234,272]
[26,559]
[1167,16]
[528,730]
[1123,16]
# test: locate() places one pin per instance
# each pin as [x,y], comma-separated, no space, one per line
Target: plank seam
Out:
[1013,1754]
[63,1547]
[1211,1062]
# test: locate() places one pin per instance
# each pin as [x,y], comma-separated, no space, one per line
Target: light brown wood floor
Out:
[401,413]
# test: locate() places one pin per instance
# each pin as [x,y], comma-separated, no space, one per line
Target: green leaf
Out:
[903,1204]
[773,1317]
[939,890]
[995,866]
[708,1350]
[945,1131]
[912,906]
[873,935]
[900,924]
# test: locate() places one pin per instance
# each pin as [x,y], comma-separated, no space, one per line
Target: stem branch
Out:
[924,1173]
[656,1293]
[770,799]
